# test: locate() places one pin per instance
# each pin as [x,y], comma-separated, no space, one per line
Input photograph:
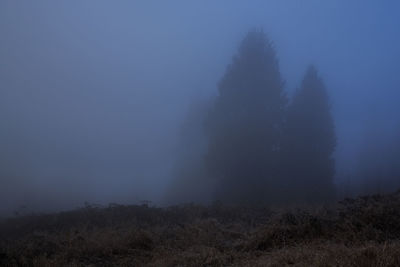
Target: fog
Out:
[94,95]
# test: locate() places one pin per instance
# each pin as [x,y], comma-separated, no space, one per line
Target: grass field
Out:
[355,232]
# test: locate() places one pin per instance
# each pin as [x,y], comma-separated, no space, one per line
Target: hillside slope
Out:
[356,232]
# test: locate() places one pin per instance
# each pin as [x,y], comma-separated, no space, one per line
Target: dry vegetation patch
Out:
[357,232]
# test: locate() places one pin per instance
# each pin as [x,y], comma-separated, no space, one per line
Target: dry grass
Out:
[357,232]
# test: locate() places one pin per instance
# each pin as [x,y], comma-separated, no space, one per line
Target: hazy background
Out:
[93,93]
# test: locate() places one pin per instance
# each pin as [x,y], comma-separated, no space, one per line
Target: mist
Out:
[105,102]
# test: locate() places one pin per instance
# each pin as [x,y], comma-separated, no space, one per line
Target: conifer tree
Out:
[244,126]
[309,143]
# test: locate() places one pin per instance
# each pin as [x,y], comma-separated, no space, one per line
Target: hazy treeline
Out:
[251,145]
[254,144]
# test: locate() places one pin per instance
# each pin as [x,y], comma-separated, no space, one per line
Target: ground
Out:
[355,232]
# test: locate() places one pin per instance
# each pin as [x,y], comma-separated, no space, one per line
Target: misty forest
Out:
[179,133]
[258,149]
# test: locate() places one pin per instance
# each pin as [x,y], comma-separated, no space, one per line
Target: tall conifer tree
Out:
[244,126]
[309,142]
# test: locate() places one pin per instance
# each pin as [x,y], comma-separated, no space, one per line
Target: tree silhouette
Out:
[309,143]
[244,126]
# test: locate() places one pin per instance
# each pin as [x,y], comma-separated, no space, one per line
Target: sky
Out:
[93,93]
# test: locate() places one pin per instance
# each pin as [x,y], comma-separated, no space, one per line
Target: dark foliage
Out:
[261,151]
[309,142]
[244,126]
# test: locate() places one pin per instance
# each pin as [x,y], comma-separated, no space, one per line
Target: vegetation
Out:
[256,148]
[355,232]
[307,162]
